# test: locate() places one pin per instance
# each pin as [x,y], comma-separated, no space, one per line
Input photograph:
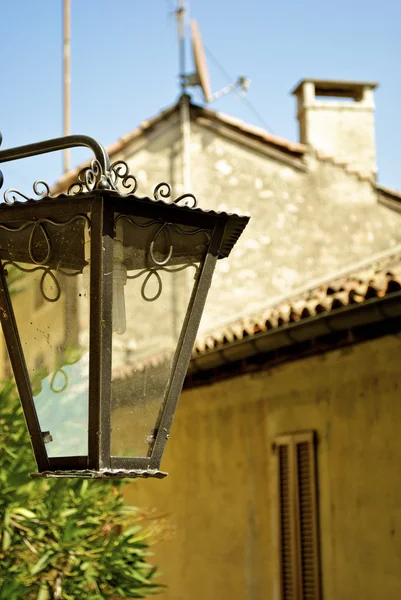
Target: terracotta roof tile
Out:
[375,281]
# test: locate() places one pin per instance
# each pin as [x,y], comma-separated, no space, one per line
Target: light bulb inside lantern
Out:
[119,324]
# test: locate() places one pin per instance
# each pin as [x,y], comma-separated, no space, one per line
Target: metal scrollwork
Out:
[47,272]
[88,179]
[99,175]
[11,195]
[39,226]
[161,263]
[155,264]
[163,191]
[151,273]
[155,274]
[120,170]
[93,177]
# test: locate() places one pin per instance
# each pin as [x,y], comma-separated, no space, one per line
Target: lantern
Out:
[101,295]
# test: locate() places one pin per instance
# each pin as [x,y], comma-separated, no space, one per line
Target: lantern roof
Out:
[234,226]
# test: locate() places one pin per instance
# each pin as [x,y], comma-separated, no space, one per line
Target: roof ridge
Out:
[145,125]
[252,130]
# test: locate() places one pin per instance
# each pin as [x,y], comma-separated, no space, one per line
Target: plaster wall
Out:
[308,220]
[345,130]
[221,496]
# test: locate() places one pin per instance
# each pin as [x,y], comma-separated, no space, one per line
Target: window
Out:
[298,528]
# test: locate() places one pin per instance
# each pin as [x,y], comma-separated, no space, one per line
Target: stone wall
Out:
[308,220]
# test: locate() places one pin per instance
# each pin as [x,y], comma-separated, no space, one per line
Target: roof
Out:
[366,296]
[294,148]
[197,112]
[375,281]
[202,115]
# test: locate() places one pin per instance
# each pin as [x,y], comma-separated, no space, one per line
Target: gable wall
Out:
[306,223]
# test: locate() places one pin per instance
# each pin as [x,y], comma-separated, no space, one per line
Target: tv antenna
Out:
[201,78]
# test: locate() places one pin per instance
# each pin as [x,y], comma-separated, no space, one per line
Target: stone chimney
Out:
[337,117]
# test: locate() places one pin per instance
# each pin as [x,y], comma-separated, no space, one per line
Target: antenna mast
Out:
[184,101]
[66,77]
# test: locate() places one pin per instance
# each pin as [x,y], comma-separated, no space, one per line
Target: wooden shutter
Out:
[298,543]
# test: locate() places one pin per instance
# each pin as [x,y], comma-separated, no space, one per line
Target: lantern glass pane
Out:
[157,266]
[47,274]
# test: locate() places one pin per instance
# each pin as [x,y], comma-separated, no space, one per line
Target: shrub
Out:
[64,539]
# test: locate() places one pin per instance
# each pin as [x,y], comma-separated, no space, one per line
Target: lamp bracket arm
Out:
[99,174]
[56,144]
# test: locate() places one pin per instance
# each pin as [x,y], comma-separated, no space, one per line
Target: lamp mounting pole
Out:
[181,15]
[66,78]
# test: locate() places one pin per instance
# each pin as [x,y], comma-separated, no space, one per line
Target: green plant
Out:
[64,539]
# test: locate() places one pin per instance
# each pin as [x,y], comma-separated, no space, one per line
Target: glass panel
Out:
[48,276]
[155,268]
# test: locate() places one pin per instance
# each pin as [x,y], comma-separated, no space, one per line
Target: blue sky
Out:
[125,66]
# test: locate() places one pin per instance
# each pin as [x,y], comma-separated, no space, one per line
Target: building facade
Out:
[312,213]
[284,454]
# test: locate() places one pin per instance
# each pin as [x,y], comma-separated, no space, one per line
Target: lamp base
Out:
[111,474]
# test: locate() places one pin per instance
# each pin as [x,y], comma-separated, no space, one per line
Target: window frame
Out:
[302,533]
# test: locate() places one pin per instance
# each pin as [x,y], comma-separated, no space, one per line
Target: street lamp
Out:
[101,295]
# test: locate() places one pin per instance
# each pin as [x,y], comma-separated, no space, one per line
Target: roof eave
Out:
[371,311]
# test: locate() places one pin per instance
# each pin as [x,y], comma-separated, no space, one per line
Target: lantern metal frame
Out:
[95,192]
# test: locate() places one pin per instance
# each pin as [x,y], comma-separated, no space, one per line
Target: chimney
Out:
[337,117]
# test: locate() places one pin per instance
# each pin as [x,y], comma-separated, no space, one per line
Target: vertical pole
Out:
[183,281]
[66,77]
[184,102]
[181,41]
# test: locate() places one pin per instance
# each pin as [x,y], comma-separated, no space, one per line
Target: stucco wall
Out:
[345,130]
[306,223]
[220,493]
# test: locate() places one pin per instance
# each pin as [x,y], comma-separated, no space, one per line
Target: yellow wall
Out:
[220,493]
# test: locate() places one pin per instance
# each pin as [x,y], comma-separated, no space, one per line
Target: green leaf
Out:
[24,512]
[71,527]
[41,564]
[6,519]
[68,512]
[130,531]
[84,487]
[6,542]
[44,593]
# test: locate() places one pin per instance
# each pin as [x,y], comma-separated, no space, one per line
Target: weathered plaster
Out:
[305,224]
